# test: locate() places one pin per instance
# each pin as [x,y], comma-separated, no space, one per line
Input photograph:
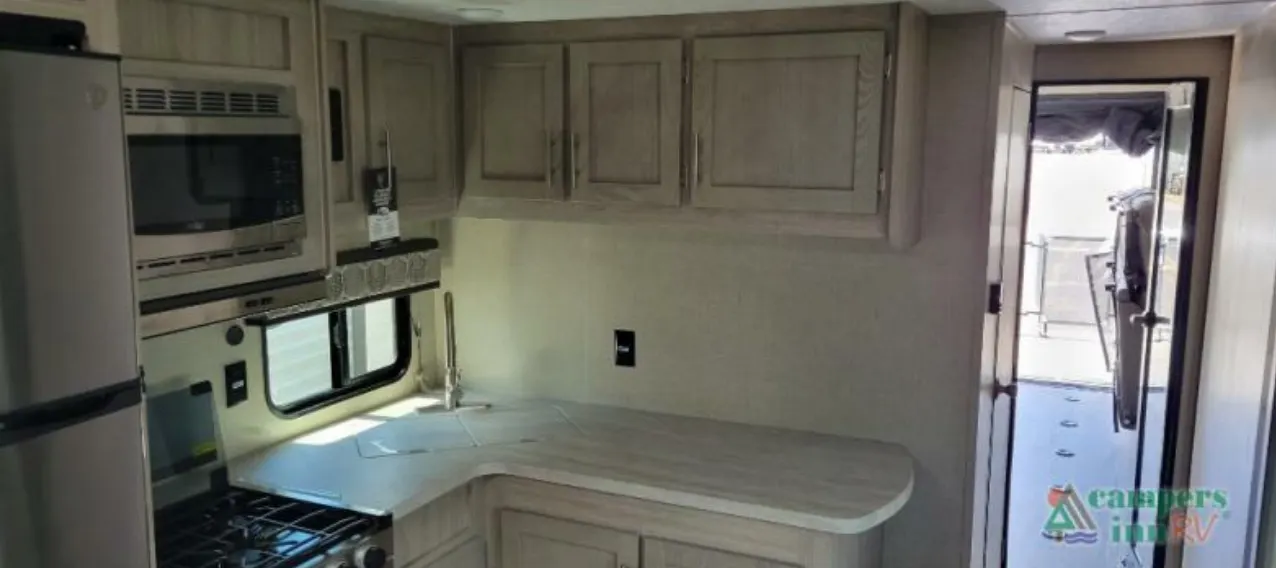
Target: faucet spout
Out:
[452,393]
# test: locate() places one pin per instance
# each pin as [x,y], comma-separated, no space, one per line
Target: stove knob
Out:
[339,564]
[370,556]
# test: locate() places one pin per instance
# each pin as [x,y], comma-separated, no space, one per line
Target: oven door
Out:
[204,185]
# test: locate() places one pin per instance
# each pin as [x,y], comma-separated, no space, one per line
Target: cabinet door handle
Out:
[389,150]
[574,171]
[695,159]
[337,125]
[549,159]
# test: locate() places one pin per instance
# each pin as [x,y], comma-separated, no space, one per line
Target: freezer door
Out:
[76,497]
[67,306]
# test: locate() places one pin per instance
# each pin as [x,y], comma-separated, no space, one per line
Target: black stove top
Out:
[245,529]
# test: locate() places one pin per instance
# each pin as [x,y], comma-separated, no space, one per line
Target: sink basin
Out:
[436,431]
[424,433]
[515,425]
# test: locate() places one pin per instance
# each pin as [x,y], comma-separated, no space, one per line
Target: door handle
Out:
[549,159]
[573,173]
[695,159]
[1149,319]
[389,152]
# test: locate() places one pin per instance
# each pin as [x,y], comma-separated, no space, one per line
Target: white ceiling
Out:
[1044,21]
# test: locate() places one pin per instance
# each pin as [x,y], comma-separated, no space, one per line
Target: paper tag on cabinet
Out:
[383,227]
[383,207]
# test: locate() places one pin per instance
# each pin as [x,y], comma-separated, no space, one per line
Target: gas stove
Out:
[235,528]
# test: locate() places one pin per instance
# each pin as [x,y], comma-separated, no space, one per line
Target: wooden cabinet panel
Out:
[533,541]
[409,116]
[626,115]
[514,121]
[657,553]
[168,30]
[788,123]
[468,555]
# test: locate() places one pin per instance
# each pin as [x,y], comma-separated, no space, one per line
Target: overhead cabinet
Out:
[619,141]
[389,104]
[626,116]
[408,121]
[808,124]
[514,122]
[788,123]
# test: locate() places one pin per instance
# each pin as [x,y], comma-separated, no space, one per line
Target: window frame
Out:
[343,386]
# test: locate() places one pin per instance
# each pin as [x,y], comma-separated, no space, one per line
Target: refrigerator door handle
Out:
[25,424]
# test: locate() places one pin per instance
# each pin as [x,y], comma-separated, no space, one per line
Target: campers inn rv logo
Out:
[1070,521]
[1194,515]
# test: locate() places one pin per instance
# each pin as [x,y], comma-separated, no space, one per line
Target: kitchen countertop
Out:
[813,481]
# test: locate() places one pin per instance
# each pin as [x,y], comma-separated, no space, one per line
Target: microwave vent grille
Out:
[151,100]
[188,102]
[183,101]
[213,102]
[216,260]
[267,103]
[242,103]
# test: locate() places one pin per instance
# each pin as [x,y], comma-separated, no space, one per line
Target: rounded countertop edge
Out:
[671,497]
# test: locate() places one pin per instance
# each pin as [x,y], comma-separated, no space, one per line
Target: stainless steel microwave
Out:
[215,171]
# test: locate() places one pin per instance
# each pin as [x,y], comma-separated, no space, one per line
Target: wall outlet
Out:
[626,348]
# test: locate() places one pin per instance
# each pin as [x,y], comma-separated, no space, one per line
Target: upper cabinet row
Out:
[806,123]
[788,121]
[776,123]
[785,129]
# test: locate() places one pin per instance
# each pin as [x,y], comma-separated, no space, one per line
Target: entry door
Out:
[1161,321]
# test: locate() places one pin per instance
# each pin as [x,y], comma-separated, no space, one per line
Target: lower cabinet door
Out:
[658,553]
[534,541]
[468,555]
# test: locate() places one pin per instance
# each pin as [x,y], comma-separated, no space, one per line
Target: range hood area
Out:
[361,276]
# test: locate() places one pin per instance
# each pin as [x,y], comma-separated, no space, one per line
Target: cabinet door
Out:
[514,121]
[409,121]
[533,541]
[658,553]
[788,123]
[626,111]
[228,34]
[468,555]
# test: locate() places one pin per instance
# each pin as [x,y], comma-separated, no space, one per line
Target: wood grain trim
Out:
[904,161]
[350,21]
[867,227]
[874,17]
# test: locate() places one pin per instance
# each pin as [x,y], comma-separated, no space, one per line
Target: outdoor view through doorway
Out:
[1106,198]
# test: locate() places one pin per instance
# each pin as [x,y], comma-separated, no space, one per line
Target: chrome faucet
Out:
[452,392]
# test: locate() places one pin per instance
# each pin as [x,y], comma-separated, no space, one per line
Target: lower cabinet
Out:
[535,541]
[657,553]
[532,524]
[468,555]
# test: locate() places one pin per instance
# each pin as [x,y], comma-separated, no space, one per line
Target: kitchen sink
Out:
[432,430]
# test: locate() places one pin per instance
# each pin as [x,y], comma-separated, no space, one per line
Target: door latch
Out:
[1011,390]
[994,298]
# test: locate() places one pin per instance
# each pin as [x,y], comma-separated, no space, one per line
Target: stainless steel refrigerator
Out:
[73,487]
